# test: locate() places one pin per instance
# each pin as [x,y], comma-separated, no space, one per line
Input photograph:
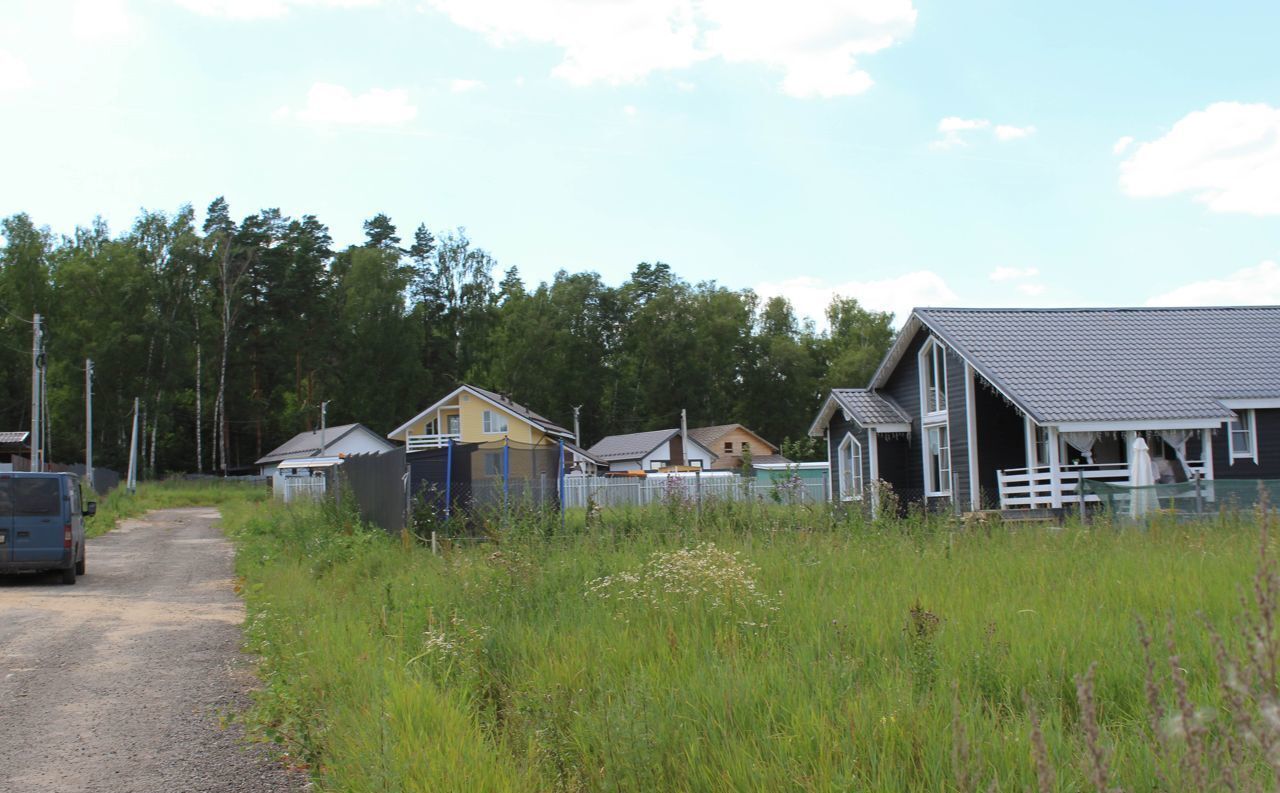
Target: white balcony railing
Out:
[418,443]
[1036,487]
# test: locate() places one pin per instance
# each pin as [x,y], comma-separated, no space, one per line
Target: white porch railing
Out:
[1034,488]
[417,443]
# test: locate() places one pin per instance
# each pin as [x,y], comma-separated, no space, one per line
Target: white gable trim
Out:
[1251,404]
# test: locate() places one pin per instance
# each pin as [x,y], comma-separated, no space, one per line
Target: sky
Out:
[902,152]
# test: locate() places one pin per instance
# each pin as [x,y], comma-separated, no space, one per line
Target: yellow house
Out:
[473,415]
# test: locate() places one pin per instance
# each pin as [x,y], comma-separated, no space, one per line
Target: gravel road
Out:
[124,682]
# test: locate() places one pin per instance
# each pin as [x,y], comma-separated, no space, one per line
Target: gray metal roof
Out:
[306,444]
[869,408]
[632,446]
[1118,364]
[13,438]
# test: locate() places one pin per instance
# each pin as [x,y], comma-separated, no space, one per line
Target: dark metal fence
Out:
[378,484]
[104,479]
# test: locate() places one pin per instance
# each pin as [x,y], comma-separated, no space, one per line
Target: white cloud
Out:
[98,20]
[1226,156]
[630,110]
[957,124]
[686,87]
[1009,132]
[956,131]
[14,76]
[263,9]
[1119,146]
[461,86]
[810,296]
[333,104]
[1255,286]
[1012,273]
[814,43]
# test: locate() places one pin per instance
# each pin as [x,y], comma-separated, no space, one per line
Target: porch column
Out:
[1030,428]
[1206,453]
[971,410]
[1055,468]
[831,464]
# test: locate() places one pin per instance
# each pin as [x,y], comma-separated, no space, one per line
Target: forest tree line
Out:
[232,333]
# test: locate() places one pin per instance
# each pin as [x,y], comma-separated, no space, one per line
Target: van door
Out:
[6,518]
[38,524]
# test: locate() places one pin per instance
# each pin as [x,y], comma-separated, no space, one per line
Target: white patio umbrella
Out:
[1141,477]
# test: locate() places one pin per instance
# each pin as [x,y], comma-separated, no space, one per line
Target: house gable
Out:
[470,404]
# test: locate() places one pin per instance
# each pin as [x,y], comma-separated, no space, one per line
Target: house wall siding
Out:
[1268,439]
[839,427]
[958,432]
[903,387]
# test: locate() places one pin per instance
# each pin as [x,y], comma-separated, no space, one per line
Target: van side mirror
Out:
[91,509]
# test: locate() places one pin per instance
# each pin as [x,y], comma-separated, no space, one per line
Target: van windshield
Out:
[35,497]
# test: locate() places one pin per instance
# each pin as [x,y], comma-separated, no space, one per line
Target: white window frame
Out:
[1248,422]
[849,462]
[450,419]
[933,361]
[932,488]
[491,423]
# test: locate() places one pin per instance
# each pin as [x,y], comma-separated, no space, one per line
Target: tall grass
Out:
[656,653]
[119,504]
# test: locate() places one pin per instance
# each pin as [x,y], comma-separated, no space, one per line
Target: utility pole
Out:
[324,407]
[37,341]
[577,433]
[88,422]
[132,480]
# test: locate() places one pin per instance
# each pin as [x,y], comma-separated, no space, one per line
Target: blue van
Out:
[42,524]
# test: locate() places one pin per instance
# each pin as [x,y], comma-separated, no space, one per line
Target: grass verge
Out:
[119,504]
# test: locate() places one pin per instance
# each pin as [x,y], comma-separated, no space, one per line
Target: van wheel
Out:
[80,564]
[69,575]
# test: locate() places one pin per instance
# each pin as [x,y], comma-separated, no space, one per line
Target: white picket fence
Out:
[662,489]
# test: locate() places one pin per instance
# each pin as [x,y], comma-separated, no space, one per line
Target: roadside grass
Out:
[164,494]
[910,654]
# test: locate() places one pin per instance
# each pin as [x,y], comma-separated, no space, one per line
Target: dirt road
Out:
[124,682]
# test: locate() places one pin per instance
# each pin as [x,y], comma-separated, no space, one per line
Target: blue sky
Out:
[899,151]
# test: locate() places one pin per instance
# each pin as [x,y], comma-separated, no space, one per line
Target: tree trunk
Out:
[199,405]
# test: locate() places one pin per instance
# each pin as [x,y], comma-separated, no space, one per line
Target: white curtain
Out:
[1082,442]
[1177,440]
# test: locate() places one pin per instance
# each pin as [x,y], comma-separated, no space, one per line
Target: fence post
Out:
[506,471]
[560,481]
[448,487]
[435,549]
[1199,495]
[698,496]
[1080,493]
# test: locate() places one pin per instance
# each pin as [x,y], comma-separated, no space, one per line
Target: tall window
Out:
[1042,445]
[849,461]
[494,422]
[933,364]
[1242,435]
[939,460]
[454,424]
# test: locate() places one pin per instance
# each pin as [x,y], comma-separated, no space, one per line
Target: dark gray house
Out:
[1015,407]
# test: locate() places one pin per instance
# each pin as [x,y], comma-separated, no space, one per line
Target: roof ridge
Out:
[1088,309]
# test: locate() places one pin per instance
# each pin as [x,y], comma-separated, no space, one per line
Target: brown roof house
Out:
[728,442]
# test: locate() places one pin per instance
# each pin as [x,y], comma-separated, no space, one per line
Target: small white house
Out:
[345,439]
[651,451]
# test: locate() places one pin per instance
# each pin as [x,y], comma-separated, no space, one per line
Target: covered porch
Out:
[1063,461]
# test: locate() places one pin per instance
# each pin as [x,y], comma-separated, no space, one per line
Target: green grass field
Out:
[893,655]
